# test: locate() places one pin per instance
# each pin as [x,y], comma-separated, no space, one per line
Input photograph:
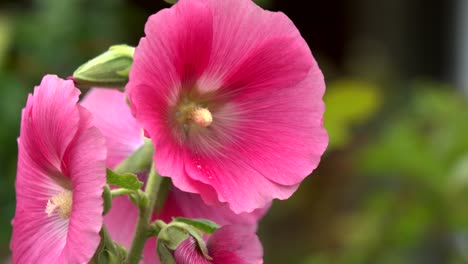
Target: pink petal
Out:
[31,224]
[182,204]
[86,160]
[188,252]
[175,50]
[121,220]
[149,252]
[242,193]
[239,26]
[49,138]
[235,245]
[114,119]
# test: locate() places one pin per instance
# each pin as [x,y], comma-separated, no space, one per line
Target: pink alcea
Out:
[60,178]
[231,96]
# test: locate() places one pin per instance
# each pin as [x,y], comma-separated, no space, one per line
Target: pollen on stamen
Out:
[60,203]
[202,117]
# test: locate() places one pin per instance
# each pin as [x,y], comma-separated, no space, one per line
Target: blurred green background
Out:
[393,184]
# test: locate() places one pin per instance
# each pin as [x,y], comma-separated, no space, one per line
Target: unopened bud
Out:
[110,69]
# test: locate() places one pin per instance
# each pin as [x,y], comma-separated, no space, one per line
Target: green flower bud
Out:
[173,234]
[110,69]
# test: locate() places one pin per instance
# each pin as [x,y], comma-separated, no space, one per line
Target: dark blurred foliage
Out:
[392,186]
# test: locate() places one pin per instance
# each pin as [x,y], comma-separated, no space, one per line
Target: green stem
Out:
[121,191]
[143,230]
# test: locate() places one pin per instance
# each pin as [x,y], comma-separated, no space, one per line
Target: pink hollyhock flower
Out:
[231,96]
[229,244]
[123,136]
[60,178]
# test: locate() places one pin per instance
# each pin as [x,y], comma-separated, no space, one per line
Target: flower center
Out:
[60,203]
[202,117]
[191,113]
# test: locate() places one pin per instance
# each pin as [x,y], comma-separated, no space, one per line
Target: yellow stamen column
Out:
[202,117]
[60,203]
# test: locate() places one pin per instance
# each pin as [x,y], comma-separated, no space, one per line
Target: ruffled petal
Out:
[239,26]
[175,51]
[55,97]
[86,165]
[238,183]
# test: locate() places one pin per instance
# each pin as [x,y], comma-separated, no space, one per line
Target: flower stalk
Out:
[143,229]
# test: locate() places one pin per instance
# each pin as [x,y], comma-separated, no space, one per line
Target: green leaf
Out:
[125,180]
[204,225]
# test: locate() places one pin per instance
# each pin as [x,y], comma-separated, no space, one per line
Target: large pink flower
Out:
[231,96]
[123,136]
[229,244]
[60,178]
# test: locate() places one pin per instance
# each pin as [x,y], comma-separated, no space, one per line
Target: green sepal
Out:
[110,69]
[164,254]
[204,225]
[107,197]
[177,232]
[108,252]
[170,1]
[107,257]
[173,235]
[200,242]
[125,180]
